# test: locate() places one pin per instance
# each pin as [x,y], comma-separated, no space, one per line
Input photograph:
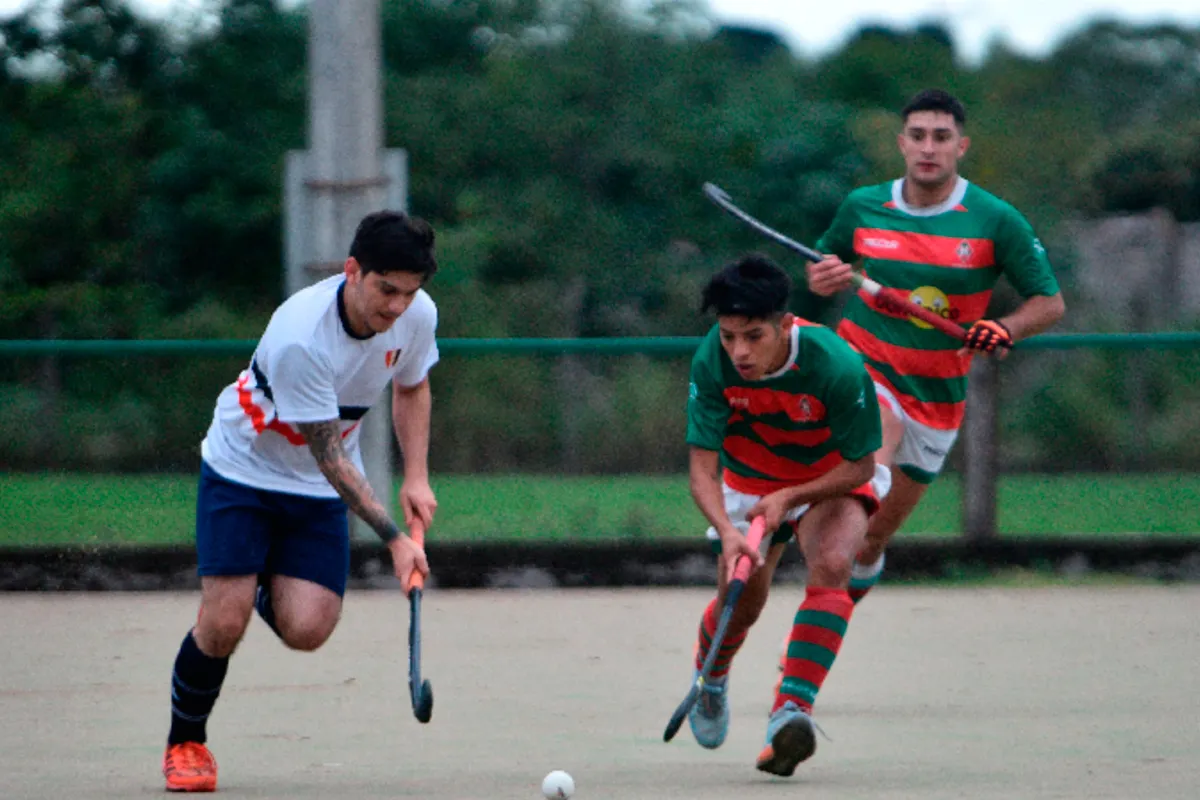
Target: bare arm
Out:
[325,443]
[839,481]
[704,469]
[1035,315]
[411,410]
[842,479]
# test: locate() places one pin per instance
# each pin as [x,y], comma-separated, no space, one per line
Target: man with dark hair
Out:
[782,423]
[938,101]
[946,241]
[281,466]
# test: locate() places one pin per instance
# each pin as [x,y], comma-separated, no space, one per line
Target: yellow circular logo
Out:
[932,298]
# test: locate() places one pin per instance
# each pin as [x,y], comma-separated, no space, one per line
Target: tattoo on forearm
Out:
[325,443]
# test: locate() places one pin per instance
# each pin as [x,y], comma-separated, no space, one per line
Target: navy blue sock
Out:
[195,685]
[266,610]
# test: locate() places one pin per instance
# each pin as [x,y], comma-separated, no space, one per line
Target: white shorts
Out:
[737,504]
[923,450]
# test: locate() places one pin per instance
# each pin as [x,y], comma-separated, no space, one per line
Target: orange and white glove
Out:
[989,336]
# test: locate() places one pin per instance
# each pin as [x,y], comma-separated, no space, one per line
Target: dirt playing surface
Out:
[948,693]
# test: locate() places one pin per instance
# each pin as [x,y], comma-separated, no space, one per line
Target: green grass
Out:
[61,509]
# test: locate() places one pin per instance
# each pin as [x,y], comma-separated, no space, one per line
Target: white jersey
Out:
[309,367]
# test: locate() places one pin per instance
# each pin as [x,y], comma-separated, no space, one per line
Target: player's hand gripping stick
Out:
[741,574]
[887,299]
[421,691]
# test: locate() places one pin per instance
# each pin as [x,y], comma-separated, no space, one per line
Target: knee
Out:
[218,633]
[830,569]
[305,635]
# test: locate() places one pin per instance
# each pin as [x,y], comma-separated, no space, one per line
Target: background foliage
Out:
[558,148]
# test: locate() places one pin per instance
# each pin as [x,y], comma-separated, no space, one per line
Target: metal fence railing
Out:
[979,463]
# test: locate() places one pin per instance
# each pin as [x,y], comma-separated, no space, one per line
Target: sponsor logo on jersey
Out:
[964,251]
[877,241]
[392,356]
[935,300]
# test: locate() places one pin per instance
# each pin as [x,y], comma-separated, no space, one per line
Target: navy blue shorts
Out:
[241,530]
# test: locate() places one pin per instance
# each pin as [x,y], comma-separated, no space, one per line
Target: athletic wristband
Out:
[388,532]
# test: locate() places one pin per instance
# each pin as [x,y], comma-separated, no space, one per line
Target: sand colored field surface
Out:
[946,693]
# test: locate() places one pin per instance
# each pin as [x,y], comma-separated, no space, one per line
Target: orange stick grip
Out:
[417,532]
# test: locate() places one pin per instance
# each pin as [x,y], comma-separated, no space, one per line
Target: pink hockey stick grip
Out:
[754,536]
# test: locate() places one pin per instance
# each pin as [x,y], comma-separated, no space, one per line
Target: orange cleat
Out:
[189,767]
[791,739]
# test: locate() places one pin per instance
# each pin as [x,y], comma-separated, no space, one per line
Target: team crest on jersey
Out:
[392,356]
[964,251]
[808,409]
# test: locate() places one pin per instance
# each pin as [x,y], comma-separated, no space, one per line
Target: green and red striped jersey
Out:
[948,258]
[793,425]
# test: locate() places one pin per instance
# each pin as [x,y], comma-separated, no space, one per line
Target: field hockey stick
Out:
[421,691]
[741,574]
[886,298]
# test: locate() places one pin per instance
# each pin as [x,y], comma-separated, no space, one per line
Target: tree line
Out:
[558,149]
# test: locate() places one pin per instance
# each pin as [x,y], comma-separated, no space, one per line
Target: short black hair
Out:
[392,241]
[753,287]
[935,100]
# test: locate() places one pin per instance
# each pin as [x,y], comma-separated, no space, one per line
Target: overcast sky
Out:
[1031,26]
[812,28]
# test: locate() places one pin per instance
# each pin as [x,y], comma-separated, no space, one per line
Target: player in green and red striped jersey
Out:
[947,242]
[782,423]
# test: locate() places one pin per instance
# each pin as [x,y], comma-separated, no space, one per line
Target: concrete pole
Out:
[345,178]
[980,479]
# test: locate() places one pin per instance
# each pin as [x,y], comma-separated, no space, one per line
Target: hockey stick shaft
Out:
[420,690]
[887,299]
[741,574]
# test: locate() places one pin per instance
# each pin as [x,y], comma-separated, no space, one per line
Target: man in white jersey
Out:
[281,467]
